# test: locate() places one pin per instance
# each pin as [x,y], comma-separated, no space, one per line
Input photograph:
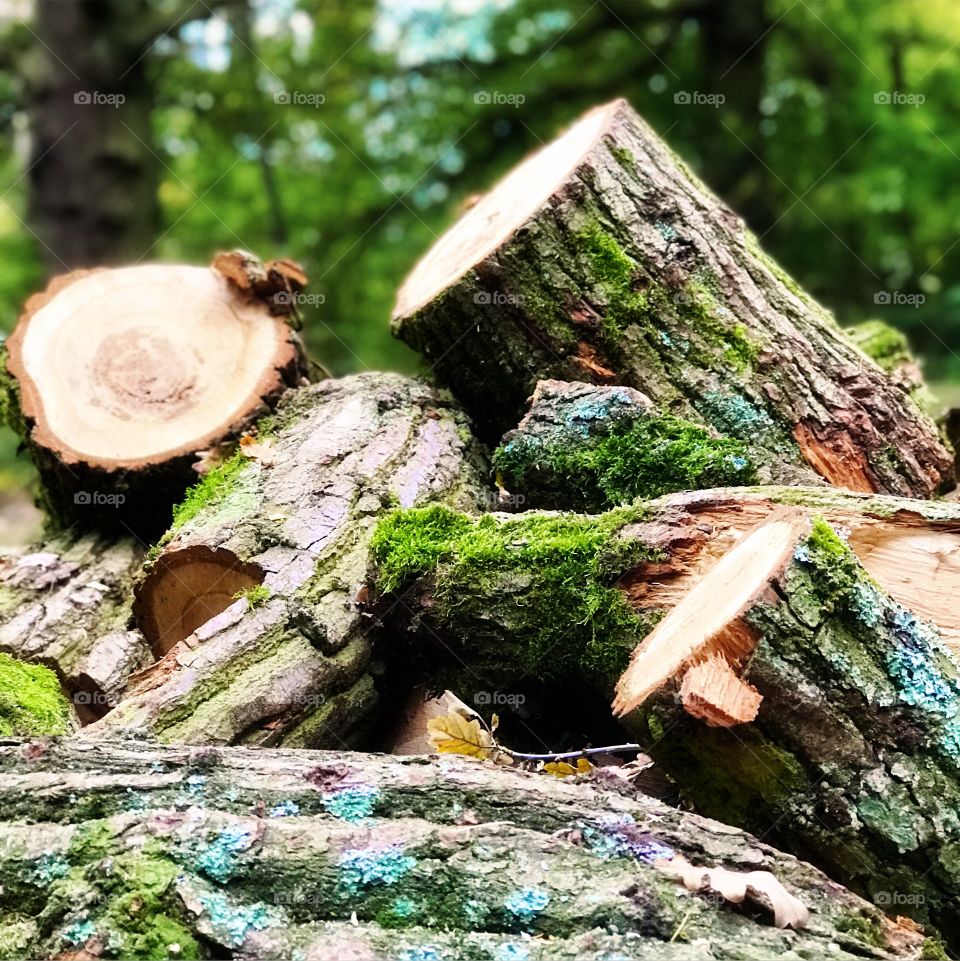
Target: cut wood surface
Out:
[123,849]
[832,630]
[253,602]
[601,258]
[121,377]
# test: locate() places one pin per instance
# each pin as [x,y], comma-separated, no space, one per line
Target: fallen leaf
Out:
[760,887]
[261,451]
[455,734]
[563,769]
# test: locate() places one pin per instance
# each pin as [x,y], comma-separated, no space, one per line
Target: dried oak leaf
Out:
[455,734]
[760,887]
[564,769]
[261,451]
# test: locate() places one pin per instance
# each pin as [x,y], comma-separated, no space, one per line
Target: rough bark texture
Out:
[121,849]
[631,272]
[253,600]
[140,372]
[853,761]
[66,603]
[585,447]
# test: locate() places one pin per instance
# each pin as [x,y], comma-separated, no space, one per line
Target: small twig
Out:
[586,752]
[683,921]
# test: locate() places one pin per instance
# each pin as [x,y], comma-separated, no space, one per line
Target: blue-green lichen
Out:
[352,803]
[373,867]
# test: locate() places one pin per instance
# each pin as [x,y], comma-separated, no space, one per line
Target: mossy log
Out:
[126,849]
[66,603]
[117,379]
[251,603]
[603,259]
[586,447]
[853,759]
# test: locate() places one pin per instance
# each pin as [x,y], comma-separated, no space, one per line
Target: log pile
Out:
[725,535]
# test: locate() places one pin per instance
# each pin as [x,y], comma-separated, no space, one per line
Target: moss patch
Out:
[255,596]
[530,597]
[881,342]
[210,491]
[31,700]
[646,458]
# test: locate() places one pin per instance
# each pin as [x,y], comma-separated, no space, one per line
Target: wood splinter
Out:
[705,638]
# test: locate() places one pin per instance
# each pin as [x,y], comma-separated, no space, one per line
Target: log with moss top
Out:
[603,259]
[66,603]
[830,724]
[584,447]
[117,379]
[252,602]
[133,850]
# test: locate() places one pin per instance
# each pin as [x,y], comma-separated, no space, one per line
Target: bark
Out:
[118,379]
[253,601]
[121,849]
[853,760]
[606,261]
[66,604]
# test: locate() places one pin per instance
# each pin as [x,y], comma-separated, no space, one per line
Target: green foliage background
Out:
[426,102]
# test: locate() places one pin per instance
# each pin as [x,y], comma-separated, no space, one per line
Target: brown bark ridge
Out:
[601,258]
[122,849]
[253,600]
[66,603]
[798,677]
[118,378]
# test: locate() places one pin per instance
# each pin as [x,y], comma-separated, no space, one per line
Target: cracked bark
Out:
[251,604]
[111,848]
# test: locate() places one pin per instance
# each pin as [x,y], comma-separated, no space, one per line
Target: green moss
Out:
[933,950]
[645,458]
[31,700]
[881,342]
[255,596]
[531,596]
[863,927]
[210,491]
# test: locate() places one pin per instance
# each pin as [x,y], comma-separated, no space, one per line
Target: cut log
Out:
[253,604]
[118,378]
[852,759]
[66,603]
[127,849]
[584,447]
[601,258]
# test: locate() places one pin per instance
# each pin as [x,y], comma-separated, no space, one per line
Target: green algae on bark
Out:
[265,853]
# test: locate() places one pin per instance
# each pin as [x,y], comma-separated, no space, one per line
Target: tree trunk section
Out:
[256,853]
[253,602]
[602,259]
[840,649]
[66,604]
[120,378]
